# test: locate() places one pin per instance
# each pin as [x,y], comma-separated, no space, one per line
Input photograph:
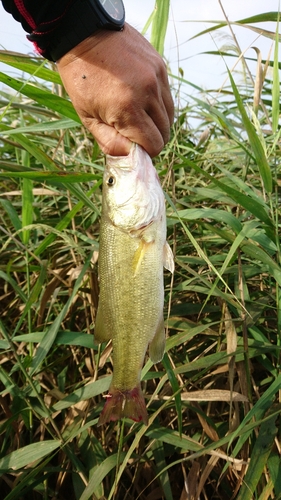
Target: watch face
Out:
[114,8]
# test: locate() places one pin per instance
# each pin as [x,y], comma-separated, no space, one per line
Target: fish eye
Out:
[110,181]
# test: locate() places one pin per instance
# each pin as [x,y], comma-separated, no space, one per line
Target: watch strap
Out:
[82,20]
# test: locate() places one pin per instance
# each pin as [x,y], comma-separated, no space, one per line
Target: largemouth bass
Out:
[133,251]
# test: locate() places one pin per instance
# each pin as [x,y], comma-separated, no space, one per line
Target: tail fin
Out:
[121,404]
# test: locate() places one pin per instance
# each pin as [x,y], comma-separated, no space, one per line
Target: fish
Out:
[132,253]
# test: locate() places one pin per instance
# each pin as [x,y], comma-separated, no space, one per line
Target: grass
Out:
[214,401]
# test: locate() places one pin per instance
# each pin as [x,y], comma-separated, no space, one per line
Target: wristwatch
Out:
[84,18]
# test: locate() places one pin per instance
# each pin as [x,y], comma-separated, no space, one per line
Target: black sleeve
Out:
[39,18]
[56,26]
[33,13]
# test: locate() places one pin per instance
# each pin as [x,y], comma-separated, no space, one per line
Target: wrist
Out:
[94,48]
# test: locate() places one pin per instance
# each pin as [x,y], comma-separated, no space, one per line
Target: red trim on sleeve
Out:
[37,49]
[22,10]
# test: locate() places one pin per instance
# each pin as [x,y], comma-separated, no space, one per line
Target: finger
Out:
[109,139]
[160,118]
[116,139]
[166,93]
[147,135]
[140,128]
[169,105]
[159,106]
[135,125]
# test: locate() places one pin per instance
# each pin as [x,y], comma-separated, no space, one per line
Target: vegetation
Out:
[214,402]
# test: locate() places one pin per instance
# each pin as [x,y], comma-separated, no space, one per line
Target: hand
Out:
[119,87]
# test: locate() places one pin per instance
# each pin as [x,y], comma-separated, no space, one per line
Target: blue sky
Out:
[180,51]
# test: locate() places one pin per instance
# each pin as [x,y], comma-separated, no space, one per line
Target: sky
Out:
[187,18]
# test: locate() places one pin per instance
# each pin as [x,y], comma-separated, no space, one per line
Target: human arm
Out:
[125,96]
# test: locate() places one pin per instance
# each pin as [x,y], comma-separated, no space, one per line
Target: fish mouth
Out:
[137,160]
[124,162]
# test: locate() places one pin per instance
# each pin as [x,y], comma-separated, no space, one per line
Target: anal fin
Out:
[157,345]
[101,332]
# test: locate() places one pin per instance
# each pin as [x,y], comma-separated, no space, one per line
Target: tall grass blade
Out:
[51,177]
[259,18]
[63,338]
[12,213]
[45,126]
[43,97]
[159,25]
[252,205]
[27,455]
[31,65]
[32,148]
[160,462]
[27,208]
[34,294]
[100,473]
[274,467]
[227,218]
[12,282]
[176,389]
[86,392]
[258,150]
[259,81]
[276,83]
[259,457]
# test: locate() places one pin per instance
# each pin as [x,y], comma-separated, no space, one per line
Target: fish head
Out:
[132,193]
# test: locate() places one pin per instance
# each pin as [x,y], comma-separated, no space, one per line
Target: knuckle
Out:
[152,83]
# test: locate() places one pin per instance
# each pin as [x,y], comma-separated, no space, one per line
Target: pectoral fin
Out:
[157,345]
[139,255]
[168,258]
